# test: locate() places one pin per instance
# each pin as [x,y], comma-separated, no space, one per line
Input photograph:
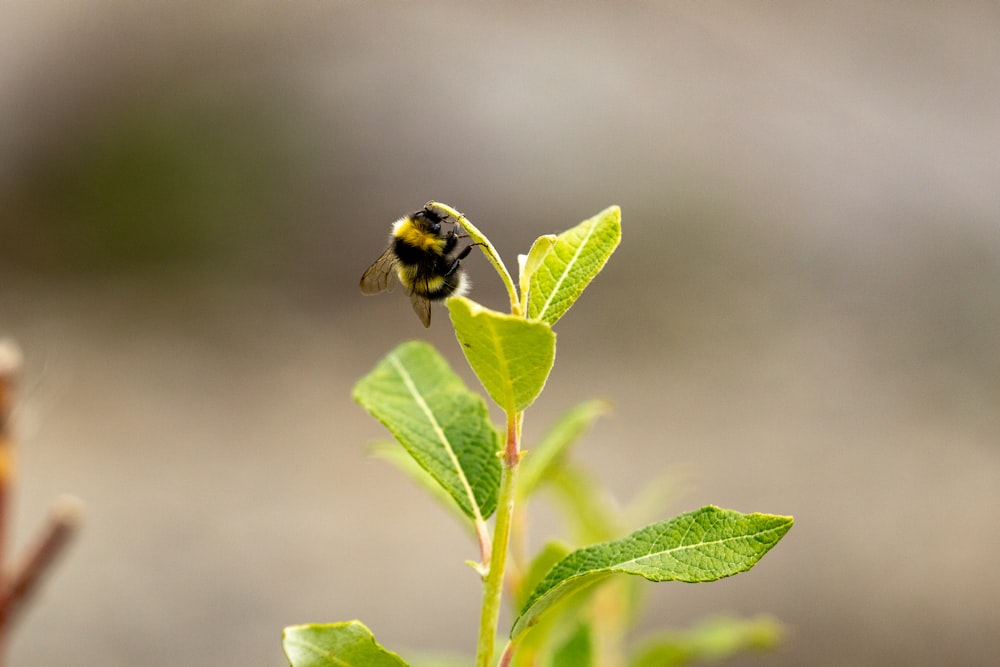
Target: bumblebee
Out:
[424,260]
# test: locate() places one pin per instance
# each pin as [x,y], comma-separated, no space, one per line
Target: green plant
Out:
[569,610]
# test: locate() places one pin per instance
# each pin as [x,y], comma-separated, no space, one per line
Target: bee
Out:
[424,260]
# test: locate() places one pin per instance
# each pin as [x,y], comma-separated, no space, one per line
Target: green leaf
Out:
[541,462]
[551,553]
[589,509]
[712,640]
[528,264]
[510,355]
[579,254]
[444,426]
[577,650]
[703,545]
[347,644]
[536,647]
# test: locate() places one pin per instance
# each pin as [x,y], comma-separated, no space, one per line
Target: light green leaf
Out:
[541,461]
[577,650]
[536,647]
[570,264]
[703,545]
[444,426]
[551,553]
[347,644]
[712,640]
[590,511]
[528,264]
[510,355]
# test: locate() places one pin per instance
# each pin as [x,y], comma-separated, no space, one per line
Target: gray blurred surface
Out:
[804,310]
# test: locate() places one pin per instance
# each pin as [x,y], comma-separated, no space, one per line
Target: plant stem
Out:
[17,584]
[508,653]
[488,250]
[62,524]
[497,564]
[483,537]
[493,584]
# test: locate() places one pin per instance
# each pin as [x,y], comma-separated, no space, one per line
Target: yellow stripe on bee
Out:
[411,277]
[434,283]
[412,235]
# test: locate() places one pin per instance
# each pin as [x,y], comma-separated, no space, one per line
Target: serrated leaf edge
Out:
[600,573]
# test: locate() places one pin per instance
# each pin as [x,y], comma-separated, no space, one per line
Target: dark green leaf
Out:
[703,545]
[444,426]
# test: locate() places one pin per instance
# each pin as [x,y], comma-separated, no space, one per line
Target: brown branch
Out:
[61,525]
[17,587]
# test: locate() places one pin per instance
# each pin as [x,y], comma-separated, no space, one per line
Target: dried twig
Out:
[62,523]
[22,581]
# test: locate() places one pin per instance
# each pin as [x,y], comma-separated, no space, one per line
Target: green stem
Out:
[497,564]
[488,250]
[493,584]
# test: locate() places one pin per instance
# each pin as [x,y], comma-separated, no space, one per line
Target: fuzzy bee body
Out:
[424,259]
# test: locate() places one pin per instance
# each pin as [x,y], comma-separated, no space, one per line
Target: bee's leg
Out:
[459,257]
[460,234]
[466,250]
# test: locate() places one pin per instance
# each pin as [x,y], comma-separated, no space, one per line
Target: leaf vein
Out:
[442,436]
[569,267]
[688,547]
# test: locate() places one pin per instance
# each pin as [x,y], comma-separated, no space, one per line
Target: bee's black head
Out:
[431,220]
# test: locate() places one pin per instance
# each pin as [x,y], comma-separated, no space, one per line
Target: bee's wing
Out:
[380,275]
[422,307]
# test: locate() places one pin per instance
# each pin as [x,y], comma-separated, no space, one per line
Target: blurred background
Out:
[803,316]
